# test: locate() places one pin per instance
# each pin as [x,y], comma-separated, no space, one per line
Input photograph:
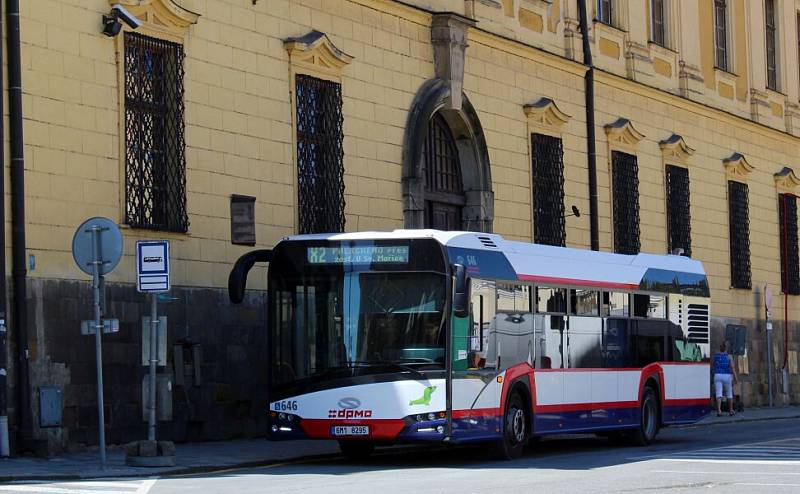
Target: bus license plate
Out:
[350,430]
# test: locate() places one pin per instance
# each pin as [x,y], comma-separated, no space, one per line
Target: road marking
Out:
[83,487]
[766,485]
[770,474]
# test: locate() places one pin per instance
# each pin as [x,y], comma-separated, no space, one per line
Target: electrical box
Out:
[50,406]
[736,336]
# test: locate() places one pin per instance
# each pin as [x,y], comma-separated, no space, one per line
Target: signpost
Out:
[97,249]
[152,276]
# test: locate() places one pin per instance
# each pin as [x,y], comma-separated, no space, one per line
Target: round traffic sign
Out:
[110,245]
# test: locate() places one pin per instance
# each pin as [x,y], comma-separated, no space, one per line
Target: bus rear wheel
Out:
[648,419]
[515,429]
[357,450]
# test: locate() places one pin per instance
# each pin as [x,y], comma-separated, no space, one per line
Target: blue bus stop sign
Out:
[110,245]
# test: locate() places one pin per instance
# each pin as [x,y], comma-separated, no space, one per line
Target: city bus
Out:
[461,337]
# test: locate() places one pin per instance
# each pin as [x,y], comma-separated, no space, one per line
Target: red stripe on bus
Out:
[478,412]
[572,281]
[579,407]
[686,402]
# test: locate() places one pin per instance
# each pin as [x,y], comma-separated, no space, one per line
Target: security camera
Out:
[122,13]
[111,22]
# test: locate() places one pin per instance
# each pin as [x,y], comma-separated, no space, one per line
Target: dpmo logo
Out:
[349,409]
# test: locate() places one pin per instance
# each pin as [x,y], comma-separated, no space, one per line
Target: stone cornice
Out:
[544,112]
[786,180]
[737,166]
[623,132]
[163,14]
[315,50]
[675,149]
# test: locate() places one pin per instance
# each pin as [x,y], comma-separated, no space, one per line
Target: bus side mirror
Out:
[461,291]
[237,280]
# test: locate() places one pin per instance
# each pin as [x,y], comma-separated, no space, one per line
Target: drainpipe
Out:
[19,272]
[4,439]
[591,151]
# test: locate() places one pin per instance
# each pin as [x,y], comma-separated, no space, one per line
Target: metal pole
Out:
[151,405]
[769,356]
[98,340]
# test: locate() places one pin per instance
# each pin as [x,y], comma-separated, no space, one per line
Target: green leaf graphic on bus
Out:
[425,399]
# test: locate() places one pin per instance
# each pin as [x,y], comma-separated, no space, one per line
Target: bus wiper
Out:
[396,365]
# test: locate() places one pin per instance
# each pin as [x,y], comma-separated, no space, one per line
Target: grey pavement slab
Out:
[191,457]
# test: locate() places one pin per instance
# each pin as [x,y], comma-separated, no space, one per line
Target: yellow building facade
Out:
[711,87]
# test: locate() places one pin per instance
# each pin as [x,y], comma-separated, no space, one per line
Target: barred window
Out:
[625,171]
[155,159]
[790,261]
[548,190]
[679,233]
[444,190]
[739,224]
[320,155]
[605,13]
[721,33]
[659,26]
[772,44]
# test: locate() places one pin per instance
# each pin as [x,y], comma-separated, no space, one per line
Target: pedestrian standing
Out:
[724,378]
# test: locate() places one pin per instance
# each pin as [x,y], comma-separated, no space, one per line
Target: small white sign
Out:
[152,266]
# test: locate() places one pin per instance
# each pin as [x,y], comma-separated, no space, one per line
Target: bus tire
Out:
[357,450]
[648,418]
[515,429]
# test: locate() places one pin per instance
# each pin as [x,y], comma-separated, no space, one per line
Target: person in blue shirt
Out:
[724,377]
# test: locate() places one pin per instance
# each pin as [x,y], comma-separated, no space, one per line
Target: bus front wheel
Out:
[357,450]
[515,429]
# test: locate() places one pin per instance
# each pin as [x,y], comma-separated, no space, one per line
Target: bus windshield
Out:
[331,325]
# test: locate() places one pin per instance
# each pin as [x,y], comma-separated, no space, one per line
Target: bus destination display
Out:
[373,254]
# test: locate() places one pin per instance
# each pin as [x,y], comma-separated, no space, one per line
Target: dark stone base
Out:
[218,393]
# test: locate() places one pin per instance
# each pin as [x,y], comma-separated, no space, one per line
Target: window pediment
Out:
[545,113]
[161,14]
[317,52]
[623,133]
[786,180]
[737,166]
[675,150]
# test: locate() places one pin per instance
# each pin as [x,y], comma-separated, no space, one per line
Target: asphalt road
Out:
[749,457]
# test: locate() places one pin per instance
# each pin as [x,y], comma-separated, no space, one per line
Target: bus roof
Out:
[549,264]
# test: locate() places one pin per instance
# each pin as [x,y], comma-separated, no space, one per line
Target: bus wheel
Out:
[357,450]
[648,419]
[515,430]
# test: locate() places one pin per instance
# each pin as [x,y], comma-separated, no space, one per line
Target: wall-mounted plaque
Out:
[243,220]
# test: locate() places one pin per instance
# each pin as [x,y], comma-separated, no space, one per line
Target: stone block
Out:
[166,448]
[148,448]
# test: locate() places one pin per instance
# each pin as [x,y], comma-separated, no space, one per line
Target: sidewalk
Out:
[751,415]
[212,456]
[191,458]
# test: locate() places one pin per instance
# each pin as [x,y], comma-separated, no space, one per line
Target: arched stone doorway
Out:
[447,180]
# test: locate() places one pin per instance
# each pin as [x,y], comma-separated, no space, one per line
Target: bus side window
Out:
[641,304]
[483,310]
[658,307]
[583,302]
[615,304]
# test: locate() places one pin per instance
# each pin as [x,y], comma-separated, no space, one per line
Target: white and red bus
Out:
[457,337]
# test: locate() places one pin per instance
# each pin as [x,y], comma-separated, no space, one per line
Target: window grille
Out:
[548,190]
[155,160]
[772,44]
[444,192]
[790,261]
[721,33]
[604,11]
[678,218]
[320,155]
[626,203]
[739,224]
[659,25]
